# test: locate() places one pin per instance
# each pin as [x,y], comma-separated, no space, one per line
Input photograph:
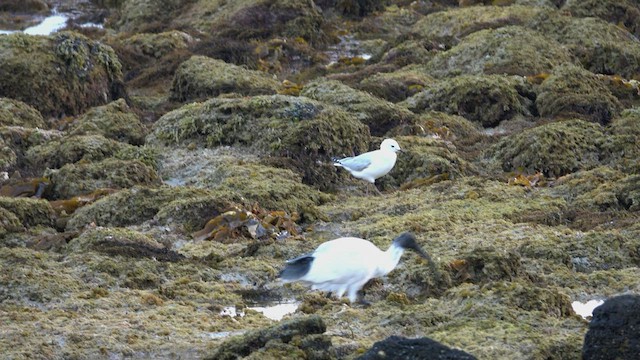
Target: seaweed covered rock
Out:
[424,161]
[509,50]
[622,149]
[614,331]
[15,142]
[72,149]
[623,13]
[242,20]
[286,339]
[70,72]
[139,204]
[448,27]
[398,85]
[9,223]
[409,52]
[295,131]
[113,121]
[83,178]
[17,113]
[556,149]
[30,212]
[121,242]
[157,45]
[571,91]
[601,47]
[400,348]
[201,77]
[486,99]
[377,114]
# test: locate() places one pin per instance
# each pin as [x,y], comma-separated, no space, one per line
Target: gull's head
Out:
[408,241]
[390,145]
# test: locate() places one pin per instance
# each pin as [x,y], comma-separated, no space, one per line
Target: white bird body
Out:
[373,164]
[346,264]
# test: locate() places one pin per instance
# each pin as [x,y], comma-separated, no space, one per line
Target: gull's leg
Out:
[376,189]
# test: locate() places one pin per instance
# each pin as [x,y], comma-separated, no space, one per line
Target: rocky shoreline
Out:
[162,167]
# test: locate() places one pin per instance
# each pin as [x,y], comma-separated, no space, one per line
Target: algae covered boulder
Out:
[9,222]
[86,148]
[296,132]
[510,50]
[62,74]
[17,113]
[571,91]
[398,85]
[114,121]
[601,47]
[30,212]
[623,13]
[622,149]
[450,26]
[556,149]
[377,114]
[15,142]
[201,77]
[486,99]
[83,178]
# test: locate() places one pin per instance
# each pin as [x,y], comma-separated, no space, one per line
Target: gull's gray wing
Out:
[356,163]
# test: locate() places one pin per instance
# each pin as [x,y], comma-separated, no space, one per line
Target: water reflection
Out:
[274,311]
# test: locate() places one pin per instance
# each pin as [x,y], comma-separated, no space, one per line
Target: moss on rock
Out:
[16,141]
[17,113]
[30,212]
[450,26]
[121,242]
[83,178]
[509,50]
[487,99]
[571,91]
[201,77]
[556,149]
[377,114]
[294,131]
[398,85]
[113,121]
[62,74]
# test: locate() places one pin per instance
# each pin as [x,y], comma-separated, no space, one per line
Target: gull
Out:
[347,263]
[373,164]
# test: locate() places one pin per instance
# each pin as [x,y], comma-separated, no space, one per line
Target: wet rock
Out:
[448,27]
[17,113]
[290,336]
[555,149]
[378,115]
[509,50]
[201,77]
[397,86]
[294,132]
[114,121]
[486,99]
[121,242]
[614,331]
[25,6]
[30,212]
[399,348]
[83,178]
[71,72]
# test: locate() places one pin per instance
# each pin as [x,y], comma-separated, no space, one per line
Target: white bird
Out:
[373,164]
[346,264]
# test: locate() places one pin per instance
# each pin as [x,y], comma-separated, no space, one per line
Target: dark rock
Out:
[284,332]
[614,331]
[396,347]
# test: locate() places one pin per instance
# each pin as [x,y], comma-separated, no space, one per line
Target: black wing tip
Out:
[296,268]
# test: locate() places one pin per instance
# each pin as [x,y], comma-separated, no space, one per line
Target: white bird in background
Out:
[373,164]
[346,264]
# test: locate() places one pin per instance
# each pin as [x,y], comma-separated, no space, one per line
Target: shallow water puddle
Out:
[274,311]
[49,25]
[586,309]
